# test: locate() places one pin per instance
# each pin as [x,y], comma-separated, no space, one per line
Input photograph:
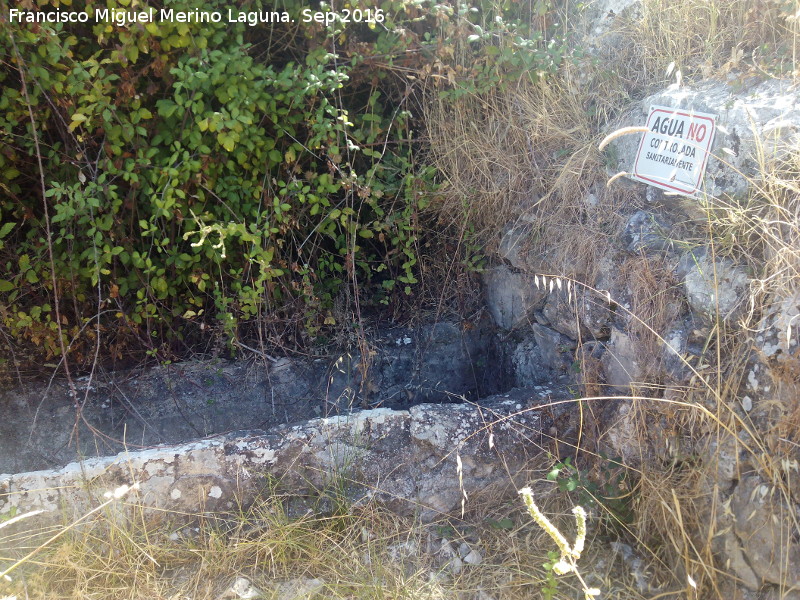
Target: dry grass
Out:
[526,155]
[655,299]
[704,39]
[529,154]
[365,552]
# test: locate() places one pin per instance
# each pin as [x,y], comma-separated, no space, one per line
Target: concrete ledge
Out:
[404,459]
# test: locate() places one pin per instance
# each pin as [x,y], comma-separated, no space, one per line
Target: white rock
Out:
[456,565]
[511,298]
[242,588]
[464,548]
[474,558]
[446,550]
[621,360]
[714,285]
[403,550]
[301,588]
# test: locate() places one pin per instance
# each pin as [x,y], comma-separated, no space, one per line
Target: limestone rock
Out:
[300,588]
[621,361]
[623,436]
[587,316]
[514,244]
[539,356]
[474,558]
[401,552]
[647,232]
[713,285]
[526,367]
[511,297]
[555,350]
[408,460]
[679,351]
[736,561]
[724,456]
[777,338]
[599,29]
[244,589]
[761,522]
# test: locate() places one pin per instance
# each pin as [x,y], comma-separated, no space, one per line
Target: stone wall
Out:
[421,461]
[707,291]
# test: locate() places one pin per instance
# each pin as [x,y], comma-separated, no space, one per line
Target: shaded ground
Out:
[44,427]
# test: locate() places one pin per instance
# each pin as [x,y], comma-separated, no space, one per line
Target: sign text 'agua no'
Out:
[674,151]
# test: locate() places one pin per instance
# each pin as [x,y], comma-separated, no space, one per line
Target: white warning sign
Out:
[674,151]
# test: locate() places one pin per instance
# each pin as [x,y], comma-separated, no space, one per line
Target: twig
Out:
[256,352]
[70,383]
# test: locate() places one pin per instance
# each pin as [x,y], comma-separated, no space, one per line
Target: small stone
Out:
[647,232]
[474,558]
[366,535]
[456,565]
[301,588]
[242,588]
[464,548]
[446,550]
[747,403]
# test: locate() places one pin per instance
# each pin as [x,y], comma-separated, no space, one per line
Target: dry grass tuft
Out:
[656,301]
[703,39]
[527,155]
[365,552]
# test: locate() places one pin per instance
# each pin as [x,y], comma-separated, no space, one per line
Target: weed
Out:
[610,490]
[550,586]
[569,554]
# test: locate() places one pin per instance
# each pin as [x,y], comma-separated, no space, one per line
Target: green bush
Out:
[214,177]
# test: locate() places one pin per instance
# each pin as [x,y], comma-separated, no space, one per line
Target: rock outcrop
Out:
[420,461]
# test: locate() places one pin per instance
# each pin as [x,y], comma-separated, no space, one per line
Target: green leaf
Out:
[226,141]
[6,286]
[166,108]
[77,119]
[6,229]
